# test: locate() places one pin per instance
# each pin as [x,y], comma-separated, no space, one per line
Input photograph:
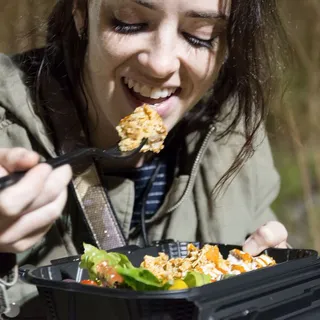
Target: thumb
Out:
[272,234]
[3,172]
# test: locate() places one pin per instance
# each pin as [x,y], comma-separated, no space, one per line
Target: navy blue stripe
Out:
[141,176]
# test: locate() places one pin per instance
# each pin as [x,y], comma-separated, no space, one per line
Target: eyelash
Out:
[126,28]
[199,43]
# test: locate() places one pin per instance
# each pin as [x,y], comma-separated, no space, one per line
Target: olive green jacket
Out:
[189,211]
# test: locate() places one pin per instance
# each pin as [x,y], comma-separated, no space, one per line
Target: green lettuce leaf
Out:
[196,279]
[227,276]
[92,256]
[141,279]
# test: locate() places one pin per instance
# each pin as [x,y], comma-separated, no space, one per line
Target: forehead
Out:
[173,6]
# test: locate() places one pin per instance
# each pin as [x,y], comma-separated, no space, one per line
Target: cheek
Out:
[208,70]
[106,54]
[205,73]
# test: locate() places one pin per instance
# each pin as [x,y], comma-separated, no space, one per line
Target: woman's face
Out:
[166,53]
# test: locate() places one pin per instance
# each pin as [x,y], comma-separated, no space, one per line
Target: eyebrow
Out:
[212,15]
[146,4]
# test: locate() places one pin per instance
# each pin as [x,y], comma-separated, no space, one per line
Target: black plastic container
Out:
[285,291]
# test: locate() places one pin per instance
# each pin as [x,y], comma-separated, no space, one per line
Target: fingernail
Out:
[251,246]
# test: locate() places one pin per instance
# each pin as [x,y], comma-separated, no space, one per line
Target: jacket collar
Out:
[23,105]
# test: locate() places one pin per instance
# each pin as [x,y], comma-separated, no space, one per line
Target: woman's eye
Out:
[199,43]
[127,28]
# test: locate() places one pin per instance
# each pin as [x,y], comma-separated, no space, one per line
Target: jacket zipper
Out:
[194,168]
[201,151]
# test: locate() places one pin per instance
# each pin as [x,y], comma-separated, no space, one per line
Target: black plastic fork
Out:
[113,153]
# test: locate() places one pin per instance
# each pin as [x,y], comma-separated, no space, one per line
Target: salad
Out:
[199,267]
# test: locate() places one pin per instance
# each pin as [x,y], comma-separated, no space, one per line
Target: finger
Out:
[16,159]
[14,199]
[272,234]
[3,172]
[55,183]
[26,243]
[282,245]
[33,223]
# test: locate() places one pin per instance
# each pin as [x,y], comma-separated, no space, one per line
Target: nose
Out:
[160,59]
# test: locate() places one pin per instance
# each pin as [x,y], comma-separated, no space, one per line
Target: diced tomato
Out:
[113,276]
[89,282]
[108,275]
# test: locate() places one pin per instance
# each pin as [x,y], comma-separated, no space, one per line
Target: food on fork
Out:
[199,267]
[144,122]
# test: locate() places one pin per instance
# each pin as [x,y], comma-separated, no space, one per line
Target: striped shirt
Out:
[141,177]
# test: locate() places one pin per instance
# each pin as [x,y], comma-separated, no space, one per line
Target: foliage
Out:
[294,124]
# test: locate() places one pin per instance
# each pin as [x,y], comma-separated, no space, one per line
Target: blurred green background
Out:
[293,123]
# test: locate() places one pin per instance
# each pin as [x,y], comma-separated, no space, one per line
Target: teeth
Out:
[165,93]
[130,84]
[136,87]
[149,92]
[145,91]
[155,94]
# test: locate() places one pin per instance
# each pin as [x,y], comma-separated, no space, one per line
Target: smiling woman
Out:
[150,51]
[205,67]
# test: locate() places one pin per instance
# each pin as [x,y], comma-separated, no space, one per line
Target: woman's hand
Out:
[30,207]
[271,235]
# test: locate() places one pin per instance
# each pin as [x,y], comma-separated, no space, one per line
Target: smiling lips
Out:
[148,94]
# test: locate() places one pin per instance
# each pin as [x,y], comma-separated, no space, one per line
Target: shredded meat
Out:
[207,260]
[144,122]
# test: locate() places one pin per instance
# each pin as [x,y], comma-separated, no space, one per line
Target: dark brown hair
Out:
[253,36]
